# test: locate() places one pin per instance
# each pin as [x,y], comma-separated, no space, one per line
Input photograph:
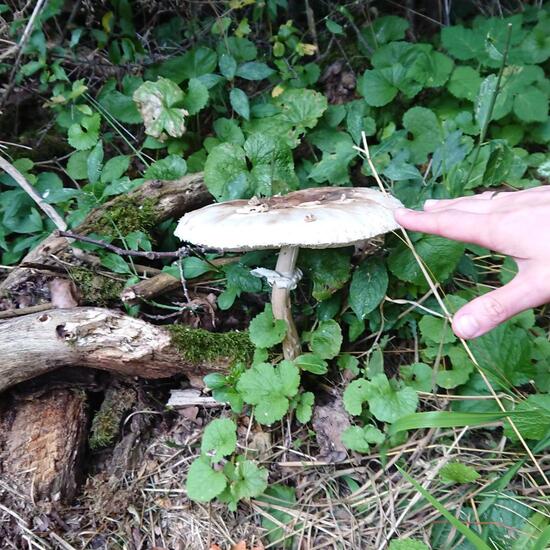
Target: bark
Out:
[172,199]
[43,440]
[89,337]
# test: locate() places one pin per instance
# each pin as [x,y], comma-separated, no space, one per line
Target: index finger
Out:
[457,225]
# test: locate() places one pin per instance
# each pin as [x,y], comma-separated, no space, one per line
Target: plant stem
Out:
[485,125]
[280,301]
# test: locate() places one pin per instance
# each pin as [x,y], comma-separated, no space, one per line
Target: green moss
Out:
[106,423]
[198,345]
[96,289]
[125,216]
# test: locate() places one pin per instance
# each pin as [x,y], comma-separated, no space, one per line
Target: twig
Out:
[31,191]
[365,151]
[9,313]
[179,253]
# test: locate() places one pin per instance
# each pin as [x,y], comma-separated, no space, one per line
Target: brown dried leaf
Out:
[329,421]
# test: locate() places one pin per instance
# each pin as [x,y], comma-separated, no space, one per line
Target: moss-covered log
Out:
[146,206]
[104,339]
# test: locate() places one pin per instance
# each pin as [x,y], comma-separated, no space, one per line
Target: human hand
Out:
[516,224]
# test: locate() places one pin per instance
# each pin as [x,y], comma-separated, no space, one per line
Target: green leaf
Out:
[436,330]
[407,544]
[246,480]
[219,439]
[368,287]
[84,134]
[157,103]
[302,108]
[193,64]
[171,167]
[228,66]
[304,408]
[464,83]
[196,97]
[203,483]
[360,439]
[456,472]
[385,29]
[77,165]
[328,269]
[326,339]
[349,362]
[486,91]
[355,395]
[422,123]
[275,519]
[94,162]
[375,87]
[535,422]
[311,362]
[439,254]
[228,130]
[418,376]
[334,27]
[531,105]
[254,70]
[462,43]
[114,168]
[388,404]
[115,263]
[239,102]
[265,330]
[269,389]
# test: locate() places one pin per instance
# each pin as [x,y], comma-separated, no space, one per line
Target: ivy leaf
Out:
[456,472]
[84,134]
[440,254]
[156,102]
[360,439]
[388,404]
[326,340]
[204,483]
[239,102]
[368,287]
[219,439]
[311,362]
[254,70]
[171,167]
[328,269]
[269,388]
[266,331]
[196,97]
[304,408]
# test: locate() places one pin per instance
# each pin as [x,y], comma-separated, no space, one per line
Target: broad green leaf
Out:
[196,97]
[77,165]
[328,269]
[254,70]
[84,134]
[407,544]
[94,163]
[531,105]
[239,102]
[304,408]
[276,520]
[368,287]
[535,422]
[193,64]
[326,339]
[115,263]
[245,480]
[228,66]
[464,83]
[436,330]
[265,330]
[440,255]
[385,29]
[203,483]
[376,88]
[311,362]
[219,439]
[418,376]
[388,404]
[171,167]
[355,395]
[302,108]
[462,43]
[157,103]
[456,472]
[486,91]
[422,123]
[269,389]
[115,168]
[360,439]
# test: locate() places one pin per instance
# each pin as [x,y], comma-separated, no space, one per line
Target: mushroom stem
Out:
[280,301]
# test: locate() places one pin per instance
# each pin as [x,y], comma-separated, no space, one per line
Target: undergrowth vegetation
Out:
[264,102]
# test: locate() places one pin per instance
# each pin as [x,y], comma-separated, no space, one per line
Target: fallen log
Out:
[98,338]
[168,199]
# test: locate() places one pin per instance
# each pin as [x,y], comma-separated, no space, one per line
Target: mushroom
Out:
[320,217]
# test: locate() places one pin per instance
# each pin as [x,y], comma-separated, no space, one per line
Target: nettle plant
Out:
[467,110]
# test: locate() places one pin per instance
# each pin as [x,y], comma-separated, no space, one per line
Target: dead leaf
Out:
[329,421]
[64,293]
[239,546]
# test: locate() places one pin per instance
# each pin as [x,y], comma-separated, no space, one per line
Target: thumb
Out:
[490,310]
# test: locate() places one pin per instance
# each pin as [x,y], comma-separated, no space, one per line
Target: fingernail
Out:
[466,326]
[402,211]
[430,202]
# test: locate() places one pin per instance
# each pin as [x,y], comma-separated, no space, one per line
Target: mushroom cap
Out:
[320,217]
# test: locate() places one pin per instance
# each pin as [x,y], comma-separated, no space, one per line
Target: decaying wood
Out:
[190,397]
[43,440]
[89,337]
[171,199]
